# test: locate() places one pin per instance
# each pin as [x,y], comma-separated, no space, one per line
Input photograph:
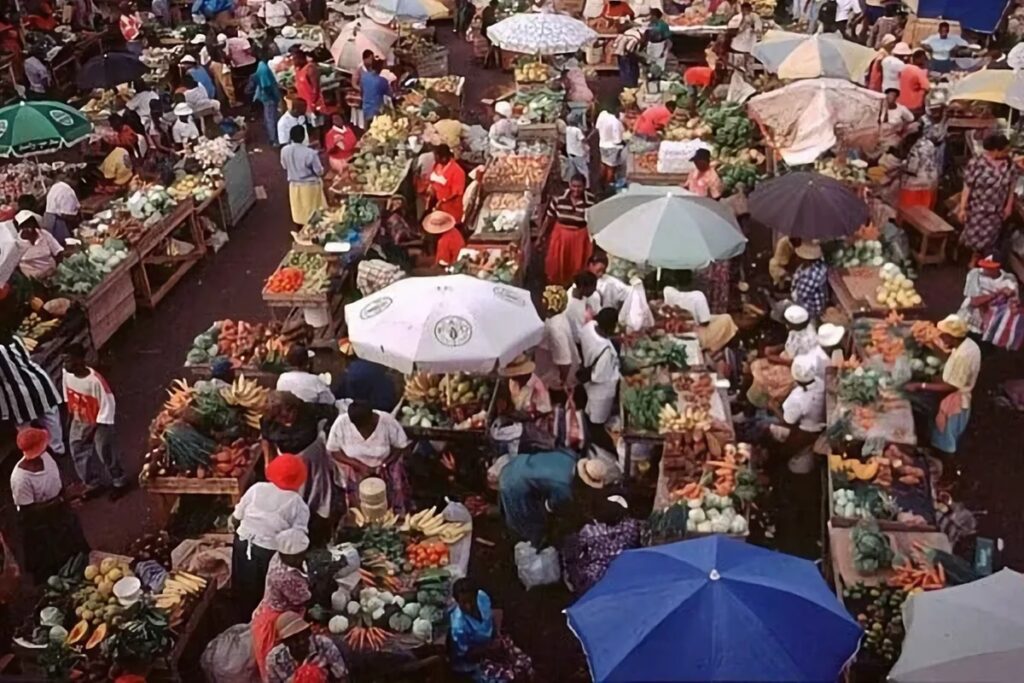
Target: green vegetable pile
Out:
[861,386]
[186,448]
[642,405]
[83,271]
[881,618]
[541,105]
[733,129]
[871,549]
[739,173]
[647,352]
[385,540]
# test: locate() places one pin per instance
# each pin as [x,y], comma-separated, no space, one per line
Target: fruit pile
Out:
[387,127]
[456,400]
[372,171]
[427,554]
[879,611]
[299,272]
[896,289]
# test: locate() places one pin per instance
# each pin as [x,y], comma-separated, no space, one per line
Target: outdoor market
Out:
[493,340]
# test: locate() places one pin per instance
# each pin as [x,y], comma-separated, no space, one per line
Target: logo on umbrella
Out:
[3,128]
[453,330]
[509,295]
[375,307]
[61,117]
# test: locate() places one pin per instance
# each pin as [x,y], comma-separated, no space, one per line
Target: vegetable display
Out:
[83,271]
[213,153]
[503,212]
[878,610]
[896,289]
[528,70]
[374,171]
[539,105]
[516,172]
[861,386]
[871,548]
[198,187]
[258,345]
[642,406]
[343,223]
[496,265]
[386,128]
[299,272]
[455,401]
[656,349]
[34,328]
[732,129]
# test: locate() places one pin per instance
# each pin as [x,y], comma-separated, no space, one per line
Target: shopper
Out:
[266,92]
[584,302]
[810,280]
[557,355]
[298,379]
[599,374]
[988,196]
[286,589]
[703,180]
[626,47]
[374,89]
[569,245]
[611,146]
[305,172]
[303,657]
[577,149]
[91,406]
[914,83]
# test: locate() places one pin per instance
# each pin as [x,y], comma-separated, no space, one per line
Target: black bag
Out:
[827,15]
[584,373]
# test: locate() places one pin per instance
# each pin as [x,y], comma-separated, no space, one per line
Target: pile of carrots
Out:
[285,279]
[909,578]
[372,638]
[926,333]
[890,348]
[427,554]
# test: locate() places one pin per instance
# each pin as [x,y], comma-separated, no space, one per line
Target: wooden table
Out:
[169,489]
[149,249]
[856,304]
[166,670]
[112,303]
[841,545]
[221,212]
[934,233]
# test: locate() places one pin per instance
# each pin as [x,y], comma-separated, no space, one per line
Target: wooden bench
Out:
[933,231]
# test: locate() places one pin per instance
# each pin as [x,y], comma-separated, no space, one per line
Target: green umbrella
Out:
[28,128]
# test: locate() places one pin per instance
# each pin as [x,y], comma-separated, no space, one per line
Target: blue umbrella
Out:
[713,609]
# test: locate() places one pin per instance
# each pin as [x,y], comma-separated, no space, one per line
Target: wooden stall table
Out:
[112,303]
[841,550]
[238,184]
[894,422]
[217,206]
[167,669]
[183,218]
[854,291]
[168,490]
[933,233]
[95,203]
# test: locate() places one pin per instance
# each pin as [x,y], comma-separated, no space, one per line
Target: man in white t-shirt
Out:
[579,311]
[275,14]
[296,116]
[845,9]
[609,135]
[576,148]
[602,361]
[557,356]
[804,408]
[940,47]
[300,382]
[893,65]
[184,129]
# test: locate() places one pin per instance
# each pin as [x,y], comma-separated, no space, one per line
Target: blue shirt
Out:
[370,382]
[374,89]
[203,79]
[810,287]
[942,47]
[302,163]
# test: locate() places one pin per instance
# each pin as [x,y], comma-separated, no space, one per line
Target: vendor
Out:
[535,486]
[298,379]
[365,380]
[199,76]
[267,509]
[829,351]
[290,425]
[921,171]
[184,130]
[608,532]
[578,94]
[39,16]
[600,366]
[803,416]
[618,10]
[876,70]
[782,258]
[523,398]
[375,90]
[303,656]
[448,129]
[747,27]
[569,247]
[810,280]
[772,380]
[62,207]
[942,47]
[479,651]
[653,119]
[42,252]
[117,168]
[340,142]
[305,177]
[959,376]
[557,355]
[447,184]
[897,119]
[130,24]
[197,97]
[703,180]
[503,132]
[659,39]
[286,589]
[714,332]
[449,241]
[370,443]
[50,528]
[991,303]
[37,73]
[914,83]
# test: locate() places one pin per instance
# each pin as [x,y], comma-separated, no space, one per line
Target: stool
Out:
[934,233]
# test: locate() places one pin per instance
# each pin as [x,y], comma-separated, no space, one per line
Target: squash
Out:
[97,637]
[78,632]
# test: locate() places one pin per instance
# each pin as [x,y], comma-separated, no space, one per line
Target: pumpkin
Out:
[78,632]
[97,637]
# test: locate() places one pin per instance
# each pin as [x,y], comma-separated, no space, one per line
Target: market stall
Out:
[256,350]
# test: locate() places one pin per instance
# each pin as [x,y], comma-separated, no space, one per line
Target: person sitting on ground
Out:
[608,533]
[117,168]
[478,650]
[991,304]
[523,398]
[286,589]
[299,381]
[810,280]
[41,250]
[713,331]
[302,656]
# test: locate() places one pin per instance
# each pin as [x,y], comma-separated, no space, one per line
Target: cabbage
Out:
[338,624]
[422,629]
[411,609]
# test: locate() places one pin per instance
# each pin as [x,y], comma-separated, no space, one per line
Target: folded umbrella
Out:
[666,229]
[809,206]
[110,70]
[713,609]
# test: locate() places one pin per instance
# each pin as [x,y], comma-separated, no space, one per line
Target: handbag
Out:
[586,372]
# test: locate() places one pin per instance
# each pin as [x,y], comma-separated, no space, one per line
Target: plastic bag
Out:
[228,658]
[537,569]
[636,314]
[494,471]
[458,552]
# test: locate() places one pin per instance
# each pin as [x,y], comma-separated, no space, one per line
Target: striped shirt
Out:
[26,391]
[568,212]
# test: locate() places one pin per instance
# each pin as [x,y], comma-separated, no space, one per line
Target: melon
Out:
[97,637]
[78,632]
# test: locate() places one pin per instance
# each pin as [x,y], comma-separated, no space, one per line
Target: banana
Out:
[191,577]
[359,517]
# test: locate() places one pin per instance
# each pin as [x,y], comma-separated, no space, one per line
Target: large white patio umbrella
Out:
[664,228]
[541,33]
[359,35]
[449,323]
[797,55]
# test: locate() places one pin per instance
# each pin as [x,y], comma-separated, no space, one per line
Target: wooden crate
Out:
[233,487]
[428,65]
[112,303]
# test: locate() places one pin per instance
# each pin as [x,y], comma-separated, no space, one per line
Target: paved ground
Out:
[149,351]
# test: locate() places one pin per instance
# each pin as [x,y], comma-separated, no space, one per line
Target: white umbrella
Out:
[357,36]
[450,323]
[541,33]
[406,10]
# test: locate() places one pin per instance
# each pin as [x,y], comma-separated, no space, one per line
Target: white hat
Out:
[25,215]
[198,39]
[221,39]
[803,369]
[503,109]
[291,541]
[182,109]
[888,39]
[902,50]
[289,32]
[830,335]
[187,59]
[796,315]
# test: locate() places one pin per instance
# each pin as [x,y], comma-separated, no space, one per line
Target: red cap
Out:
[287,472]
[32,442]
[989,262]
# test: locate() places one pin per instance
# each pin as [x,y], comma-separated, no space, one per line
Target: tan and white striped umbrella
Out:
[797,55]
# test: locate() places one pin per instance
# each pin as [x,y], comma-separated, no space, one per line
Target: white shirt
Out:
[574,142]
[695,303]
[821,361]
[599,354]
[139,103]
[197,98]
[891,69]
[39,260]
[285,125]
[942,48]
[35,487]
[61,200]
[37,74]
[372,451]
[801,341]
[183,131]
[747,36]
[609,129]
[576,313]
[265,511]
[898,116]
[84,395]
[805,407]
[275,14]
[612,292]
[845,8]
[556,348]
[305,386]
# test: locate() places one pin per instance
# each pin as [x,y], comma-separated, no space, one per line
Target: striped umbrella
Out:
[666,229]
[28,128]
[796,55]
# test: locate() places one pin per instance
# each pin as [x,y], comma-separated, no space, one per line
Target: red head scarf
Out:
[309,673]
[287,472]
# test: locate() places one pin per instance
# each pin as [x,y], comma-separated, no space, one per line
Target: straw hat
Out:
[902,50]
[888,39]
[32,442]
[593,472]
[438,222]
[803,369]
[809,251]
[830,335]
[182,109]
[796,315]
[953,325]
[520,365]
[289,624]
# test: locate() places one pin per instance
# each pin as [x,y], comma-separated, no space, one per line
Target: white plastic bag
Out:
[635,314]
[458,552]
[494,471]
[537,569]
[228,658]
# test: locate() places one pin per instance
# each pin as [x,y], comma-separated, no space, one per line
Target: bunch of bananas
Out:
[178,586]
[249,395]
[386,127]
[179,397]
[692,418]
[33,328]
[555,298]
[432,523]
[386,522]
[421,387]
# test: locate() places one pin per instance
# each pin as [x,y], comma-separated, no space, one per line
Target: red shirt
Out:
[448,247]
[131,25]
[449,188]
[346,138]
[699,75]
[913,86]
[875,75]
[652,120]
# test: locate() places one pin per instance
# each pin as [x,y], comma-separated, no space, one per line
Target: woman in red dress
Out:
[569,246]
[340,142]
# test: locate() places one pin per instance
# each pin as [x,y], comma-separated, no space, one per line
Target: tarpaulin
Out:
[982,16]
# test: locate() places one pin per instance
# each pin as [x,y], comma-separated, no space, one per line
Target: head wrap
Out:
[291,542]
[287,472]
[555,298]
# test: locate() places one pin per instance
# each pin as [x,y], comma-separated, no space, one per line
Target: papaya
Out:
[97,637]
[835,462]
[78,632]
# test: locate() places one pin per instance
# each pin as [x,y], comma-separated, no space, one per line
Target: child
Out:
[91,406]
